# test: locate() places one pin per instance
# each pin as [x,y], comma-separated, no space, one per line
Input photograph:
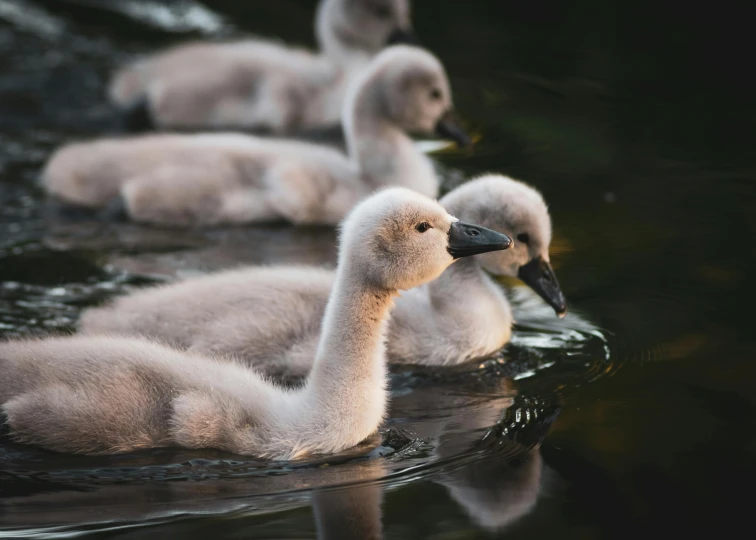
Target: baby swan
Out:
[261,84]
[103,395]
[208,179]
[460,316]
[463,314]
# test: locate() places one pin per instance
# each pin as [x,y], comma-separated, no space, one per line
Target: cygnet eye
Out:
[422,227]
[382,11]
[435,94]
[524,238]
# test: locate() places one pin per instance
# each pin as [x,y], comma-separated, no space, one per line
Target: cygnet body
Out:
[460,316]
[262,84]
[208,179]
[103,395]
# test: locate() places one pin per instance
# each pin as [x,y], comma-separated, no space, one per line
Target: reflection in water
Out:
[497,492]
[494,493]
[480,443]
[345,514]
[487,452]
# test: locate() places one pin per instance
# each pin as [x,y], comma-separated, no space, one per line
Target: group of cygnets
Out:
[196,363]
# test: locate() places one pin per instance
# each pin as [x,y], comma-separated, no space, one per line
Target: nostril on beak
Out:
[474,232]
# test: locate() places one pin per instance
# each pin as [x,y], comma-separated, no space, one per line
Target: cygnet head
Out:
[407,87]
[518,210]
[398,239]
[363,25]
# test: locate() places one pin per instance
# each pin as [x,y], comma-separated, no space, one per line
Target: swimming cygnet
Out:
[261,84]
[460,316]
[103,395]
[207,179]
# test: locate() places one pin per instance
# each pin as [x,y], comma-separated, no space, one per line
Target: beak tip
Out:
[539,276]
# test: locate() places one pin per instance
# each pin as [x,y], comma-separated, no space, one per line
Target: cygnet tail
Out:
[71,176]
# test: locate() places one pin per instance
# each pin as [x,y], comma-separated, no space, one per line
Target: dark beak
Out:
[539,275]
[400,35]
[448,127]
[137,118]
[466,240]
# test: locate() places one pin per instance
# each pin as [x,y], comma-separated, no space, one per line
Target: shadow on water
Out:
[635,121]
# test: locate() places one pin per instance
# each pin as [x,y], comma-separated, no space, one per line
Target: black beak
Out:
[448,127]
[466,240]
[137,118]
[539,275]
[400,35]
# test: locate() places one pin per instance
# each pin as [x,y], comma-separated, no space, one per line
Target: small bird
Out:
[461,316]
[104,395]
[261,85]
[209,179]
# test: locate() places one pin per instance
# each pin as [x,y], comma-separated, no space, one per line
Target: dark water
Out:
[635,415]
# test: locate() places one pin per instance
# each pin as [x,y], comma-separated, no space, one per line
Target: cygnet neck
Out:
[383,153]
[351,347]
[345,396]
[346,55]
[459,283]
